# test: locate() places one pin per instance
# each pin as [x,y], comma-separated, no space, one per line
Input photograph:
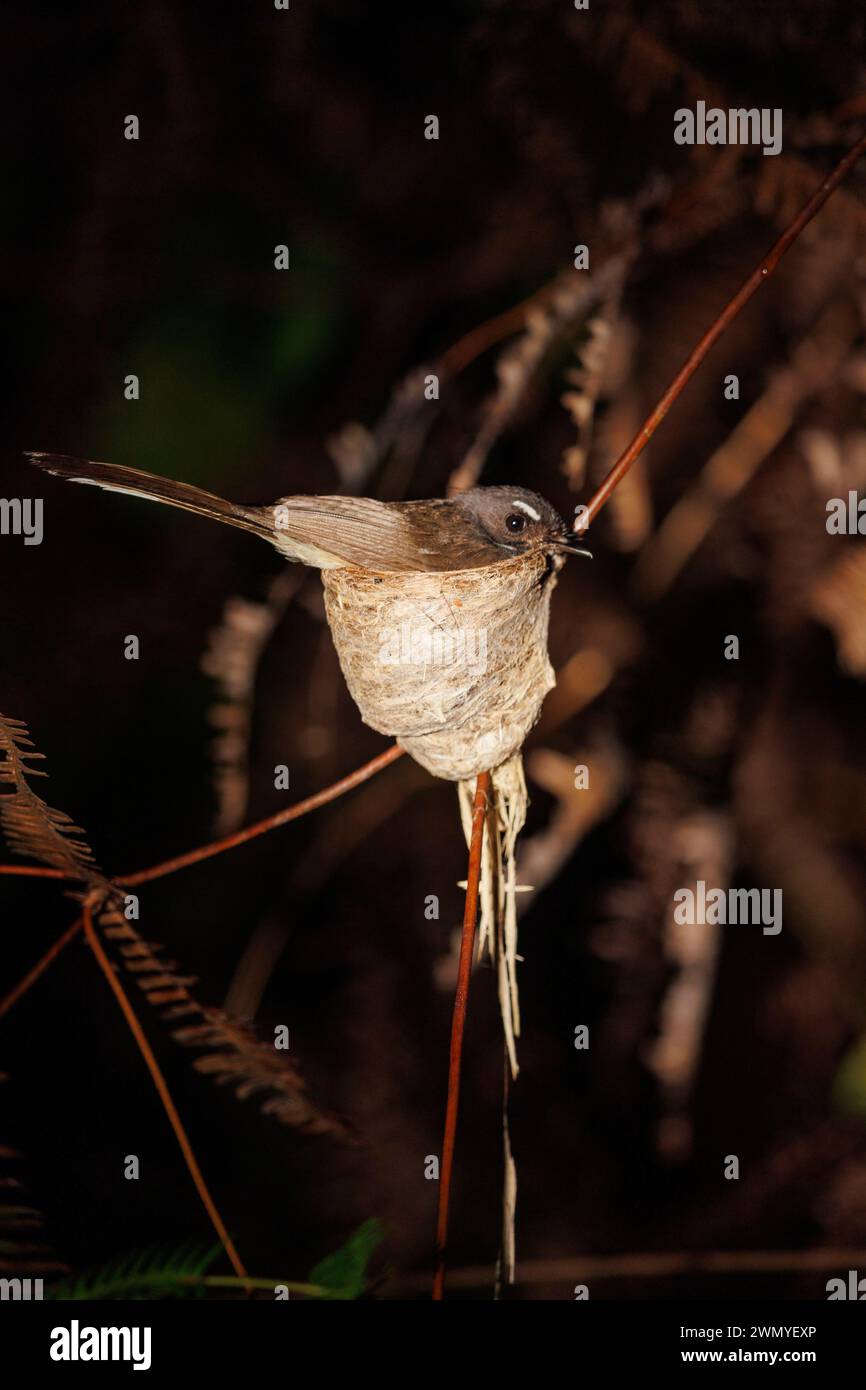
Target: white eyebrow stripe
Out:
[525,507]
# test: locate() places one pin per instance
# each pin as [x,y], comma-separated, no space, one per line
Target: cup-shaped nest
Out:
[452,664]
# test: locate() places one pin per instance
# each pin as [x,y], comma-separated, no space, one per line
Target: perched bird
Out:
[479,527]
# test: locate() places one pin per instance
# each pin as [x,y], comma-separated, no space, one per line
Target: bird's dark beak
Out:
[571,544]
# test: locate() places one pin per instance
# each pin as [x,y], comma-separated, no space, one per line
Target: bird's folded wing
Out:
[360,530]
[321,531]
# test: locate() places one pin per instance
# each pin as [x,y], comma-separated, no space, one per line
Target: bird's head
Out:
[518,521]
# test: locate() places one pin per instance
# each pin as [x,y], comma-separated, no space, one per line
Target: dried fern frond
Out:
[357,451]
[646,69]
[234,652]
[33,828]
[784,184]
[236,1057]
[547,328]
[816,362]
[839,601]
[23,1252]
[585,382]
[703,845]
[643,66]
[232,1054]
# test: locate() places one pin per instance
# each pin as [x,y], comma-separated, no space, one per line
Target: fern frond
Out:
[236,1057]
[23,1251]
[585,383]
[343,1275]
[146,1274]
[32,827]
[839,601]
[234,651]
[547,329]
[182,1273]
[232,1054]
[781,191]
[642,66]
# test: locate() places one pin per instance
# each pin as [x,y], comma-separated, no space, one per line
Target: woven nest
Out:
[452,664]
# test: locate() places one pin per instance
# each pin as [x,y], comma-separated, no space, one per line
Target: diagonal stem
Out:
[461,999]
[761,272]
[240,837]
[168,866]
[162,1090]
[39,968]
[29,871]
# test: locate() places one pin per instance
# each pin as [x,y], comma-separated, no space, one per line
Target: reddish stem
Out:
[461,999]
[240,837]
[163,1092]
[168,866]
[27,871]
[40,967]
[715,331]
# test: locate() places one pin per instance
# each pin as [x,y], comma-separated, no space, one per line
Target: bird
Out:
[474,529]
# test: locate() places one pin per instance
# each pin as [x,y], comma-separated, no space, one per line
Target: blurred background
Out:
[453,256]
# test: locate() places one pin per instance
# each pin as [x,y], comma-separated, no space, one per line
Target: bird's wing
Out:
[360,530]
[321,531]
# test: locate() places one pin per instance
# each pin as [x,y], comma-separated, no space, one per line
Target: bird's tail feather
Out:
[117,478]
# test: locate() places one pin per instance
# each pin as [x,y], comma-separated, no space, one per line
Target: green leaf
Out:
[145,1274]
[344,1273]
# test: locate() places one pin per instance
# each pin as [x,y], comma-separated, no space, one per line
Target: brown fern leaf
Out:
[780,192]
[255,1068]
[232,1054]
[547,328]
[839,601]
[33,828]
[643,66]
[23,1251]
[234,651]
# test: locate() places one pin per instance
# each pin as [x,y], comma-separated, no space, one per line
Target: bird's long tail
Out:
[116,478]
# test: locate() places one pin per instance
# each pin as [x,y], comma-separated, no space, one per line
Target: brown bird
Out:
[476,528]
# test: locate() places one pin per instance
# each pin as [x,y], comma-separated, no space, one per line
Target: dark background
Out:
[155,257]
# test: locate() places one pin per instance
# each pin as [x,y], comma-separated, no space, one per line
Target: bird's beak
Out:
[571,544]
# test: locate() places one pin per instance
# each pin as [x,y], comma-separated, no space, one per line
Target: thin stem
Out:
[761,272]
[240,837]
[300,808]
[225,1281]
[26,871]
[162,1090]
[39,968]
[458,1023]
[492,331]
[652,1264]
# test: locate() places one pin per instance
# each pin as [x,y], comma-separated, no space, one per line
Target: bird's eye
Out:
[515,523]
